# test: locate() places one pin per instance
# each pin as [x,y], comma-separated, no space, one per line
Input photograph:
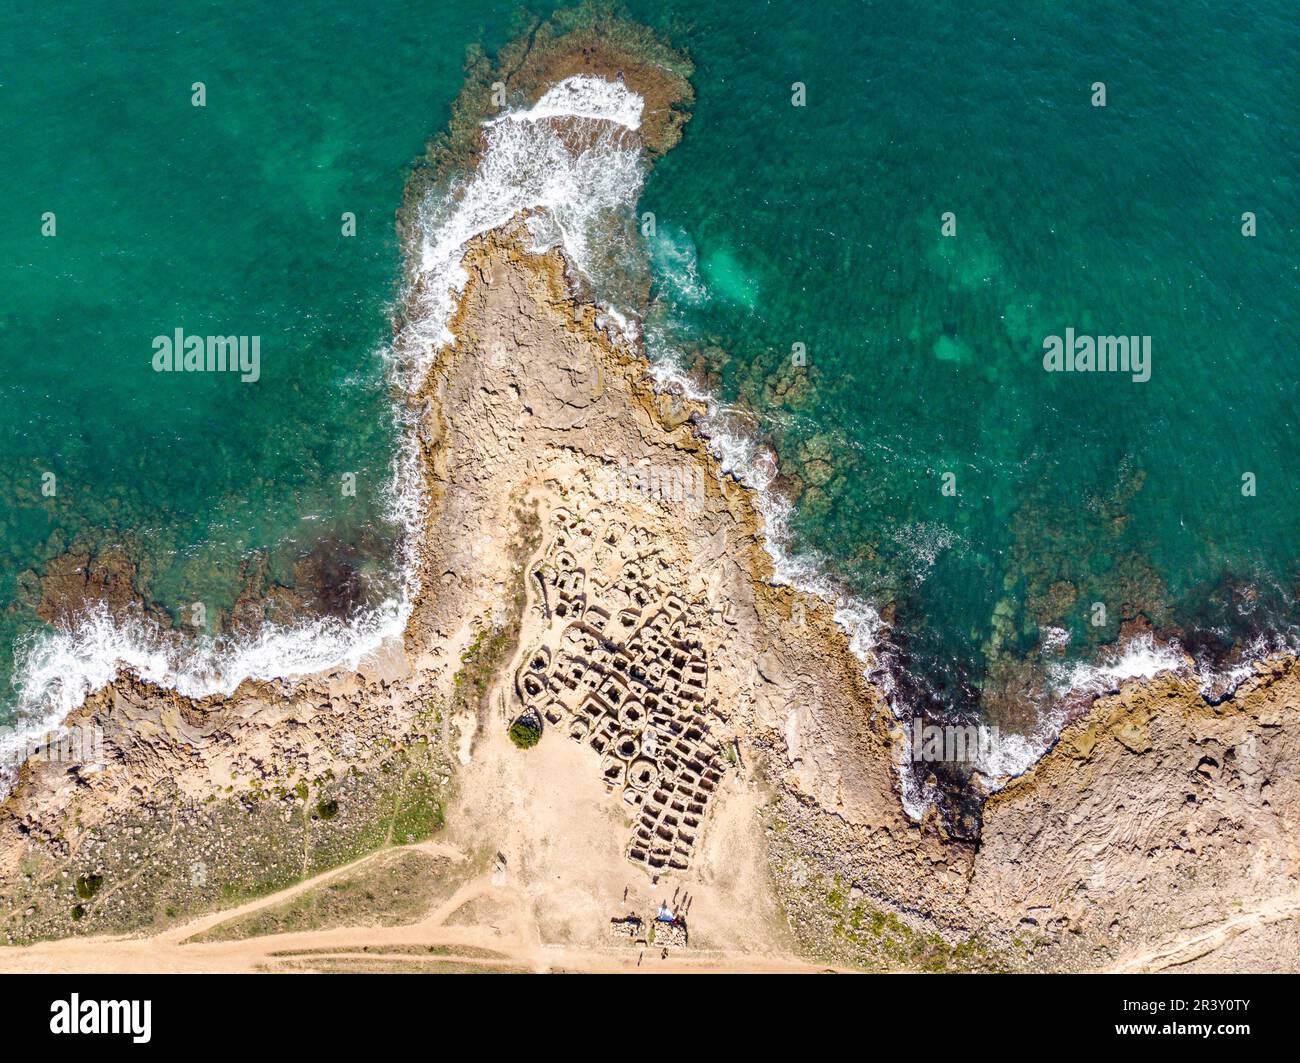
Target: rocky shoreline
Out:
[1157,832]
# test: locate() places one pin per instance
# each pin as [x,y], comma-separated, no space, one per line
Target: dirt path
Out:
[512,942]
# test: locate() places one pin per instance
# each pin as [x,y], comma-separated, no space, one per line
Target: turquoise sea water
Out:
[775,225]
[224,219]
[822,225]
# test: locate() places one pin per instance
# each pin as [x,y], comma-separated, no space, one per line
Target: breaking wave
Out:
[529,165]
[55,670]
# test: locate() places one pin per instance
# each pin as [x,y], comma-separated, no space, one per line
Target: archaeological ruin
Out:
[620,668]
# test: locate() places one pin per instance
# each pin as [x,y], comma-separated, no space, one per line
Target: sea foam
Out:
[527,165]
[1139,658]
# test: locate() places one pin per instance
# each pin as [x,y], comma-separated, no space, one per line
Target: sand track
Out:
[514,942]
[1199,943]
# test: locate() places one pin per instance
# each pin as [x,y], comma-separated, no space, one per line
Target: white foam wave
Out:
[87,655]
[59,669]
[1138,659]
[584,96]
[55,670]
[1011,755]
[677,267]
[529,164]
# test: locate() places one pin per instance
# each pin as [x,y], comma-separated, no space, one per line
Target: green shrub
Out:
[525,734]
[88,886]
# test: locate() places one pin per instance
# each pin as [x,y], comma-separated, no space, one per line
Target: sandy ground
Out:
[564,877]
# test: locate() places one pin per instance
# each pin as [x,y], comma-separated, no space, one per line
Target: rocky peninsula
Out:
[603,700]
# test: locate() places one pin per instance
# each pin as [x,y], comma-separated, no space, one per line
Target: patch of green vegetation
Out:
[883,933]
[525,734]
[88,886]
[419,814]
[483,658]
[836,924]
[185,858]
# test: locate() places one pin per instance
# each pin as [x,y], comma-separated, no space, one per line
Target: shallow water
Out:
[1076,499]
